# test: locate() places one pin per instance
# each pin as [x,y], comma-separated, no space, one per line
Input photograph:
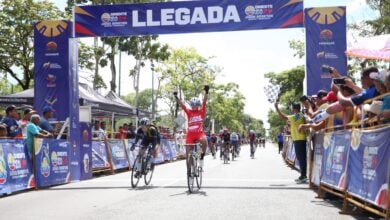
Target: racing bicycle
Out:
[146,169]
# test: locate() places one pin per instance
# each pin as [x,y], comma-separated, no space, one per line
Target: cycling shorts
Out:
[145,143]
[194,137]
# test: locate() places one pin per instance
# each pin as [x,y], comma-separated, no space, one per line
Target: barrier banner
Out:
[335,159]
[15,167]
[326,43]
[291,152]
[132,155]
[85,151]
[186,17]
[99,155]
[172,144]
[166,149]
[369,166]
[118,154]
[317,162]
[160,155]
[52,162]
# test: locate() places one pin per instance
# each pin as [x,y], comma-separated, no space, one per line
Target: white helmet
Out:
[144,121]
[195,102]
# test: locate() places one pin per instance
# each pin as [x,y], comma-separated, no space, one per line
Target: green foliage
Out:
[144,99]
[298,47]
[7,88]
[276,124]
[17,18]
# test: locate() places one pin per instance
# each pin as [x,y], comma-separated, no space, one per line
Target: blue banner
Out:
[51,76]
[52,162]
[317,160]
[186,17]
[335,159]
[118,154]
[85,151]
[99,156]
[15,167]
[325,45]
[369,166]
[166,149]
[172,144]
[132,155]
[291,152]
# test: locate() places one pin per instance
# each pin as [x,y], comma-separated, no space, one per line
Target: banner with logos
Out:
[99,156]
[326,43]
[186,17]
[369,166]
[118,154]
[291,156]
[172,144]
[52,162]
[51,67]
[335,159]
[85,160]
[166,149]
[131,154]
[317,160]
[15,167]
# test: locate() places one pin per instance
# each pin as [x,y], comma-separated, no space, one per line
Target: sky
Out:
[244,56]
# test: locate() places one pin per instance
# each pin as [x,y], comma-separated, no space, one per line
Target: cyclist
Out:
[226,141]
[148,134]
[195,115]
[213,142]
[252,139]
[234,140]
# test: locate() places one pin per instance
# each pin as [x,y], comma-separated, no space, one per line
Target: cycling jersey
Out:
[226,137]
[151,136]
[195,123]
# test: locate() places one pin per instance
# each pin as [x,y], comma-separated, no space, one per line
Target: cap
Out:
[321,94]
[330,97]
[375,107]
[10,108]
[379,76]
[48,108]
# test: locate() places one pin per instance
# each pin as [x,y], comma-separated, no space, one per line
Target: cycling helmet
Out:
[144,121]
[195,102]
[225,129]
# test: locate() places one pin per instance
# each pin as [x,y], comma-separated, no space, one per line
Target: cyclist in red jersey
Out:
[195,115]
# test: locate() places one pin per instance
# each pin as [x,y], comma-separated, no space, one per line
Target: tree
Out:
[17,18]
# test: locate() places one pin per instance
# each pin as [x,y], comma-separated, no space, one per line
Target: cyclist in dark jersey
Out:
[226,141]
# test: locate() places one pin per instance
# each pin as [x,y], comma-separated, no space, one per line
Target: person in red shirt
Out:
[196,116]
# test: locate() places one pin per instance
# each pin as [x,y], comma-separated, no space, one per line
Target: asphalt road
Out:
[260,188]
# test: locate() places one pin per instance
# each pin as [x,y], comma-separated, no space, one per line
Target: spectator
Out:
[33,130]
[298,137]
[280,141]
[3,131]
[385,111]
[24,121]
[46,116]
[98,132]
[131,131]
[10,121]
[382,84]
[361,95]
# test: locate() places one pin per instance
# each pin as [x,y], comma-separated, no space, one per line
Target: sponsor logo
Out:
[51,48]
[3,169]
[326,55]
[85,135]
[326,37]
[49,65]
[326,15]
[51,80]
[186,16]
[52,28]
[259,12]
[115,19]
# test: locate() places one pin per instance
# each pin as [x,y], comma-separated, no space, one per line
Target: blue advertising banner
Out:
[326,43]
[118,154]
[86,151]
[186,17]
[166,149]
[172,144]
[317,160]
[51,76]
[52,162]
[99,155]
[335,159]
[15,167]
[369,166]
[132,155]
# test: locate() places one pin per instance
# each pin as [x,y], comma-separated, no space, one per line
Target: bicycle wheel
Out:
[225,156]
[190,173]
[134,178]
[233,153]
[199,176]
[149,169]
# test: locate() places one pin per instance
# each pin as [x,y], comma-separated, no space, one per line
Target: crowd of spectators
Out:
[345,105]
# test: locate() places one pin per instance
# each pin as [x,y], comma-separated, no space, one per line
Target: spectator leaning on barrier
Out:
[97,132]
[33,130]
[385,111]
[47,113]
[382,84]
[24,121]
[298,137]
[13,128]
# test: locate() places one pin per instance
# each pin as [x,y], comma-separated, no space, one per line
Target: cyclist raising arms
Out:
[195,115]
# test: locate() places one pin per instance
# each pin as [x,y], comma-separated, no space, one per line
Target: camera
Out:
[339,81]
[326,69]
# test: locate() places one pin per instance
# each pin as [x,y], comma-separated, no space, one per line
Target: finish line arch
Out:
[55,42]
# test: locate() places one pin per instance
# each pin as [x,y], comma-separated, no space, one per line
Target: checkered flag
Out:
[272,92]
